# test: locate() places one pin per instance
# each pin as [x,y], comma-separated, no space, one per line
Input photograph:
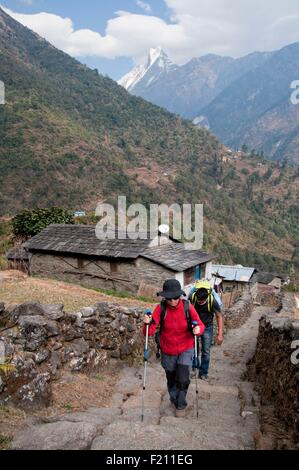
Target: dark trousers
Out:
[177,369]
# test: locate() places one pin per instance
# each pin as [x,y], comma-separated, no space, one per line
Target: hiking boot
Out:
[203,377]
[180,413]
[174,402]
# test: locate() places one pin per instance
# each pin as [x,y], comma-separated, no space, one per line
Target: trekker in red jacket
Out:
[176,340]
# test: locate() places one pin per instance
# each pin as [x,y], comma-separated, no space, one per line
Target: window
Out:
[189,276]
[113,267]
[80,263]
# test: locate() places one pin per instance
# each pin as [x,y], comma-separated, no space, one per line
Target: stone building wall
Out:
[96,273]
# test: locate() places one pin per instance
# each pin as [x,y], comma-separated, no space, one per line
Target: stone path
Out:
[228,409]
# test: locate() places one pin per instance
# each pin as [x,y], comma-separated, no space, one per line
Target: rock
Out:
[35,394]
[41,356]
[79,347]
[90,321]
[25,369]
[87,312]
[122,329]
[2,308]
[54,312]
[62,435]
[115,354]
[72,333]
[55,362]
[27,309]
[36,330]
[77,364]
[99,416]
[125,350]
[131,327]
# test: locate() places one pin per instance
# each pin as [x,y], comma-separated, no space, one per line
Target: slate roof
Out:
[176,257]
[81,240]
[17,254]
[265,278]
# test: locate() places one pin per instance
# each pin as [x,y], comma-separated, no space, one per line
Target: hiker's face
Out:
[173,302]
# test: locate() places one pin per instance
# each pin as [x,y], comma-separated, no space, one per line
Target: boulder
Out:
[54,312]
[62,435]
[36,329]
[35,394]
[87,312]
[26,309]
[79,347]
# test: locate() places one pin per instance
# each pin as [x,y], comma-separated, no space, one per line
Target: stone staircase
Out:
[228,409]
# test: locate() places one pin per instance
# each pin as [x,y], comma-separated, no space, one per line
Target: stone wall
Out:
[96,273]
[238,314]
[41,341]
[277,380]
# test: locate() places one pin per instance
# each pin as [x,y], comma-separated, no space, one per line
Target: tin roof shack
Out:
[238,276]
[235,279]
[73,253]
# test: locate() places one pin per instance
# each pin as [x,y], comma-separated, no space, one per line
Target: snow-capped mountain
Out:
[187,89]
[157,65]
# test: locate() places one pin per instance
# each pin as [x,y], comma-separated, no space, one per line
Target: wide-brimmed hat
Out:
[171,289]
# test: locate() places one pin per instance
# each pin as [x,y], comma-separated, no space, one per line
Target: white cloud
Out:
[196,27]
[144,6]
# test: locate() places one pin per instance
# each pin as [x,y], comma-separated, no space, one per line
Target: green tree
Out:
[30,222]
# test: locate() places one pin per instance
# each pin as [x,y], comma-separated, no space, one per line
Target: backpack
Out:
[162,318]
[212,294]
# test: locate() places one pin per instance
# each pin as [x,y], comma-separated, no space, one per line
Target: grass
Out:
[18,289]
[120,294]
[5,442]
[292,288]
[99,377]
[67,406]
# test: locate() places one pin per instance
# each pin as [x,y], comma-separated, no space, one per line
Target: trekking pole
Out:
[196,365]
[145,358]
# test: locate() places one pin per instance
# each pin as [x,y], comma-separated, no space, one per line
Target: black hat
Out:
[202,294]
[171,289]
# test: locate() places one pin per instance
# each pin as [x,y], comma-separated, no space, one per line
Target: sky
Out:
[115,35]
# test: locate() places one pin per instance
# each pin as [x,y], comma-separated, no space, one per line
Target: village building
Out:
[18,259]
[73,253]
[233,277]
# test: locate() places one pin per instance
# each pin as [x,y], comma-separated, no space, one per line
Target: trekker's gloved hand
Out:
[147,319]
[196,330]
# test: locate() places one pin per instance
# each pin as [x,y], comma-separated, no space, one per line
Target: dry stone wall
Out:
[39,341]
[275,368]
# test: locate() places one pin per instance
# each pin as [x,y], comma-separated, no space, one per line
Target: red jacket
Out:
[175,336]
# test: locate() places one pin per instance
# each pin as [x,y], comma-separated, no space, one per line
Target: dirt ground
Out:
[16,287]
[72,392]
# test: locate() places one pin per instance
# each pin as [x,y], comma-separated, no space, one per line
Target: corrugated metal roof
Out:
[233,273]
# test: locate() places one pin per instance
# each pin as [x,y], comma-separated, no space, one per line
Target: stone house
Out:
[74,253]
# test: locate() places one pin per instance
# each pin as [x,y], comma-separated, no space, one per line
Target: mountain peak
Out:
[157,63]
